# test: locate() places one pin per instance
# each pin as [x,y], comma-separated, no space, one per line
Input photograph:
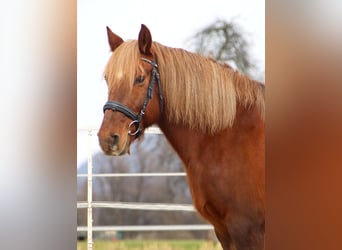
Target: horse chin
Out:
[116,151]
[123,151]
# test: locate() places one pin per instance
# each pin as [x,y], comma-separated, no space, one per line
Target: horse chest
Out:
[218,190]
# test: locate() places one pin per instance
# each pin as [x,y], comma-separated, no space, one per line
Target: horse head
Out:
[134,92]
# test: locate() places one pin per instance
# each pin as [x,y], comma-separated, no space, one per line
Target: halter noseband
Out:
[136,118]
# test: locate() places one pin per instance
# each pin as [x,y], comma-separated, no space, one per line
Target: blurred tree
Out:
[224,42]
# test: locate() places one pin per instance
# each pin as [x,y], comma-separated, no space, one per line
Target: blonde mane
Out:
[197,90]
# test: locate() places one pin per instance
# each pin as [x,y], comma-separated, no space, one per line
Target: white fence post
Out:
[90,193]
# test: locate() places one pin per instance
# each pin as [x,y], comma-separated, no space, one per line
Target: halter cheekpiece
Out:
[136,118]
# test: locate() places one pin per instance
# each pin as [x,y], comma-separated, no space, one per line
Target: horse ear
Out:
[145,40]
[113,40]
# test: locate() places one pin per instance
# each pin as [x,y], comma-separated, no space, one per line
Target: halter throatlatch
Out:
[136,118]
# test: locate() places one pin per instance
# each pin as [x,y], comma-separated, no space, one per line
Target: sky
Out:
[171,23]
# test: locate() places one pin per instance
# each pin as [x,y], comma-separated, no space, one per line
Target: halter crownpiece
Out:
[136,118]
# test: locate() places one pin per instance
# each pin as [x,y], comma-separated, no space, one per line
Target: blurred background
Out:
[40,66]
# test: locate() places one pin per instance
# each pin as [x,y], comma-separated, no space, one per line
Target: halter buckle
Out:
[136,123]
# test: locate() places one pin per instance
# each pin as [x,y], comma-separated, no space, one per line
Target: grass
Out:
[151,245]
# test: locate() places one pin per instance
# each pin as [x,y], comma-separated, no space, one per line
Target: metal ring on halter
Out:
[138,129]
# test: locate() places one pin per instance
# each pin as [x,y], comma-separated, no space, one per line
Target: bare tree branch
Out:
[225,42]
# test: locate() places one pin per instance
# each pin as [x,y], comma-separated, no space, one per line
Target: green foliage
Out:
[151,245]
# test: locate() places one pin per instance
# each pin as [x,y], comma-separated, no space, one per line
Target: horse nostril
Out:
[115,138]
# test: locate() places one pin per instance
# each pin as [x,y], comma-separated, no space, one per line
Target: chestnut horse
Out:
[213,117]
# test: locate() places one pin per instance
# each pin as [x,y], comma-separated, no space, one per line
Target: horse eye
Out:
[139,79]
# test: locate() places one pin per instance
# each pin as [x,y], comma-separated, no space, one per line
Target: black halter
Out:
[136,118]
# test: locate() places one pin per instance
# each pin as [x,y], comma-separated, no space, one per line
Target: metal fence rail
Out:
[134,174]
[139,206]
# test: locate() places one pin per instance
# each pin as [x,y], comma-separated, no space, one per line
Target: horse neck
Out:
[191,144]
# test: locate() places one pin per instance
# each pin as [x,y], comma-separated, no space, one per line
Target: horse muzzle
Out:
[114,144]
